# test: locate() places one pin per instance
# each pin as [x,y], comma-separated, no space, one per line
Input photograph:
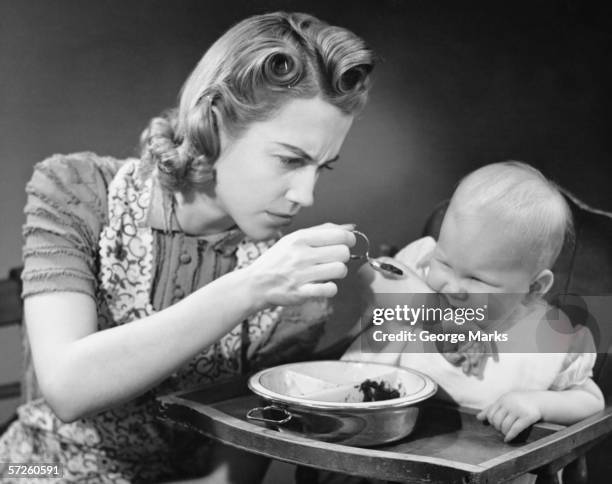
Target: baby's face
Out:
[477,255]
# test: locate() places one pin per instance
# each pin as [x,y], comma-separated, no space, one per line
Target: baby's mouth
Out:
[452,300]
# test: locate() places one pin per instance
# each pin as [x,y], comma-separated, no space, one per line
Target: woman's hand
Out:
[301,265]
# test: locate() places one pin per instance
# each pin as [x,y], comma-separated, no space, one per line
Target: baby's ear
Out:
[541,283]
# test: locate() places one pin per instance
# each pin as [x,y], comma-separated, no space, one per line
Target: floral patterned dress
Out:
[105,228]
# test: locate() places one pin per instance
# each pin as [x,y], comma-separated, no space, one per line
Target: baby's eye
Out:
[478,280]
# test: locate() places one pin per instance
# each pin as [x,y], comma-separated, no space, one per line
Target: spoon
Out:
[385,268]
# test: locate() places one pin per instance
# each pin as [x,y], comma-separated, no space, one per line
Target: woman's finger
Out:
[328,225]
[324,272]
[322,289]
[317,237]
[330,253]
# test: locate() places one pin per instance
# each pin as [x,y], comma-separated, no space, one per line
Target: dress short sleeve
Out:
[65,211]
[578,365]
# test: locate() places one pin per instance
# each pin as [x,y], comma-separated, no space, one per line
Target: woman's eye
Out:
[291,162]
[326,166]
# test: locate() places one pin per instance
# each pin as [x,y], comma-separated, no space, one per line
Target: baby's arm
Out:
[515,411]
[571,405]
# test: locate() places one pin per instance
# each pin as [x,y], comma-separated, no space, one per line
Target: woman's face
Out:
[265,176]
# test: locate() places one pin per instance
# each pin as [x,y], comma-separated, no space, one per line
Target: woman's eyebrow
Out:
[302,154]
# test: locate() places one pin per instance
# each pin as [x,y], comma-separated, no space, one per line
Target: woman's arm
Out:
[83,371]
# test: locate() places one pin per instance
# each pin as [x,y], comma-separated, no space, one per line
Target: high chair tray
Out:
[449,445]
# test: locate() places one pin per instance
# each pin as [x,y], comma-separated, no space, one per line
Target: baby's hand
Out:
[512,413]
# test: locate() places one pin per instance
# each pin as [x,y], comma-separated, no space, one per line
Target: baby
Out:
[502,232]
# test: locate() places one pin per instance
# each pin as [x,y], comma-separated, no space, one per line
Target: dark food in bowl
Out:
[374,391]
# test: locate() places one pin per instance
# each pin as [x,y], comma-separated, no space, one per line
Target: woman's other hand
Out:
[302,265]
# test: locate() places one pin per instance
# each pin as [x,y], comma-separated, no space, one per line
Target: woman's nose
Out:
[301,189]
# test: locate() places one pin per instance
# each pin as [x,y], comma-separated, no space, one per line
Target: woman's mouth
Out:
[280,218]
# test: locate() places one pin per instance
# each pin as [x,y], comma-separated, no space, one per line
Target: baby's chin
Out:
[454,300]
[427,280]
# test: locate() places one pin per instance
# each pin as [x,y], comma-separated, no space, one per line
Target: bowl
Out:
[325,400]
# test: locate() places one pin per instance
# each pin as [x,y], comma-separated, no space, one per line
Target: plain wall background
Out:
[460,84]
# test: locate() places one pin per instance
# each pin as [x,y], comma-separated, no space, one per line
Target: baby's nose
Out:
[454,290]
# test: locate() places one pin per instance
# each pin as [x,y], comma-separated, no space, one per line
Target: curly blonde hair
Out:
[247,75]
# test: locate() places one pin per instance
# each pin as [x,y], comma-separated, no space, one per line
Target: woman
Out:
[152,275]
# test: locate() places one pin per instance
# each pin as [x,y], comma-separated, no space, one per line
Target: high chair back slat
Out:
[11,314]
[10,302]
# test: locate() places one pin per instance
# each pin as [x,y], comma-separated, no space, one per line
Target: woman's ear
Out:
[542,283]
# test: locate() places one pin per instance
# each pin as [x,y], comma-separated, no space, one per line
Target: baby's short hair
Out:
[522,195]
